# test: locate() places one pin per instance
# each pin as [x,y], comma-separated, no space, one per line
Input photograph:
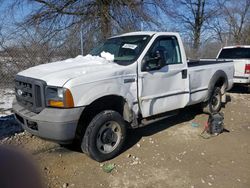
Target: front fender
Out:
[87,93]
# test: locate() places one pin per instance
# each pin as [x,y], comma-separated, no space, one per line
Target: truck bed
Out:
[193,63]
[201,73]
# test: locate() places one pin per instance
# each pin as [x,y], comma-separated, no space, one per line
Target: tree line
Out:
[52,27]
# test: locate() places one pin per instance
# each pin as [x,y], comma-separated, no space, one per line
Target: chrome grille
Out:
[29,93]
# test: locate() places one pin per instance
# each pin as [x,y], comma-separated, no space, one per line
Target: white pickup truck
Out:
[240,55]
[125,82]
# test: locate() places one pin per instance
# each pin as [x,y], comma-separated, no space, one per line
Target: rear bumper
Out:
[54,124]
[242,79]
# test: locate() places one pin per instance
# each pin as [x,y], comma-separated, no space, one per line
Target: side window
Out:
[164,51]
[172,53]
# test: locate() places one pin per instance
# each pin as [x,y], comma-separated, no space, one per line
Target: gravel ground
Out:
[169,153]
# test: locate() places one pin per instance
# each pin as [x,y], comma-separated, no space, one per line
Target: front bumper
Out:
[54,124]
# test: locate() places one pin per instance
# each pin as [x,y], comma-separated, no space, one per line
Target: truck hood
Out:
[58,73]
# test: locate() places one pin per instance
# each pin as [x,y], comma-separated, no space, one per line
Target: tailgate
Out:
[239,66]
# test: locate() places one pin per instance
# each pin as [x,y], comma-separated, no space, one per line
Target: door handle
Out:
[184,73]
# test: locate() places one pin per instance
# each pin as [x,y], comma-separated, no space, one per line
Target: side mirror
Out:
[151,64]
[156,62]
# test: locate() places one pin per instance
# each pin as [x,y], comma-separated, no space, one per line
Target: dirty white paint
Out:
[57,73]
[102,83]
[89,78]
[163,90]
[200,76]
[92,77]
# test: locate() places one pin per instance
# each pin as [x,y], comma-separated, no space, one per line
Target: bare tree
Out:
[104,17]
[50,31]
[246,34]
[22,49]
[237,15]
[231,26]
[192,15]
[218,29]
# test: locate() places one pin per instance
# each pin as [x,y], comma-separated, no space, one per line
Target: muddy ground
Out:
[169,153]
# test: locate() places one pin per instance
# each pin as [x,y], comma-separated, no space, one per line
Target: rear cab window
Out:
[235,53]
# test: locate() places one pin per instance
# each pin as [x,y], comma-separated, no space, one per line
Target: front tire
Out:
[215,102]
[104,136]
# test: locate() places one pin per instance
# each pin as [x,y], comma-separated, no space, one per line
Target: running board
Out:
[159,117]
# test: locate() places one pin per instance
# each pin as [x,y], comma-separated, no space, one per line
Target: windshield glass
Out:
[125,49]
[235,53]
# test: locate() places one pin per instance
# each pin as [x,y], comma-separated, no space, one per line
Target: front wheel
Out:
[214,103]
[105,136]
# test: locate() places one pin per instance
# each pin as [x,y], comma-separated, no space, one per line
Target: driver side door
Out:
[163,83]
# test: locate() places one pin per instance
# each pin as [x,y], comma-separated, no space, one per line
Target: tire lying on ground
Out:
[104,136]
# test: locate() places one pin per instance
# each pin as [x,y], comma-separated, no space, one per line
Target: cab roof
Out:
[150,33]
[236,46]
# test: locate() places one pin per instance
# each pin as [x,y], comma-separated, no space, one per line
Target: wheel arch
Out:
[108,102]
[219,79]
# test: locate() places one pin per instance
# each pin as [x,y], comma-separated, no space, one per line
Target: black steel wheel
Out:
[105,136]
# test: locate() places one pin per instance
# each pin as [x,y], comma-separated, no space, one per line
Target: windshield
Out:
[235,53]
[125,49]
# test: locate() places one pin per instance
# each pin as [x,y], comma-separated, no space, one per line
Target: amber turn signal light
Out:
[69,102]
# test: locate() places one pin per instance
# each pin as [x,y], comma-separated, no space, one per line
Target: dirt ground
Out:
[169,153]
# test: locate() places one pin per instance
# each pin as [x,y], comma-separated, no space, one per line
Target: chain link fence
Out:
[14,60]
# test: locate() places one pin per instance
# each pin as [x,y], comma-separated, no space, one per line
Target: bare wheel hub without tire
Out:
[215,101]
[108,137]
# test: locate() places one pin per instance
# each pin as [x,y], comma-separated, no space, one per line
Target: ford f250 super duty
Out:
[124,83]
[240,55]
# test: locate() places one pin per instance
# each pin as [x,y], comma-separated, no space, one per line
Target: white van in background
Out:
[241,58]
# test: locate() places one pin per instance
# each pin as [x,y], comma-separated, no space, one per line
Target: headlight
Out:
[59,97]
